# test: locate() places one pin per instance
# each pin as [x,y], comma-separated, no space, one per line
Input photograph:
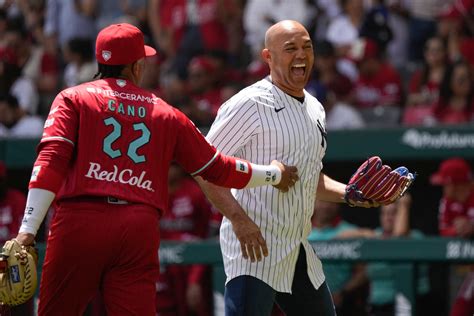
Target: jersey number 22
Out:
[132,147]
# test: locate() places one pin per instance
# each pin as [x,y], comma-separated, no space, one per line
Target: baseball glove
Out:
[18,275]
[375,184]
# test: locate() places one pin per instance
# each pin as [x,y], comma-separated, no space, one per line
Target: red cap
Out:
[363,48]
[452,171]
[121,44]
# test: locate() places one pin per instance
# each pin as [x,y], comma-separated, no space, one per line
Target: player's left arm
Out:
[330,190]
[54,154]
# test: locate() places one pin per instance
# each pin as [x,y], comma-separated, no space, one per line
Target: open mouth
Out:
[298,69]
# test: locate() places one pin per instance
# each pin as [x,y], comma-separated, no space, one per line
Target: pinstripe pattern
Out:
[248,126]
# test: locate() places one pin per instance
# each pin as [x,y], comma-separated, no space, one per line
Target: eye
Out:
[290,49]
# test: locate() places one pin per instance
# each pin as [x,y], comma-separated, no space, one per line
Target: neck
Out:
[299,93]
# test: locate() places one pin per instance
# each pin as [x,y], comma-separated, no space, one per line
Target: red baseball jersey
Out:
[449,210]
[383,88]
[124,140]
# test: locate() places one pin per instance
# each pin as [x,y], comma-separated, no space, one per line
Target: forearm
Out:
[229,172]
[330,190]
[46,180]
[223,200]
[402,222]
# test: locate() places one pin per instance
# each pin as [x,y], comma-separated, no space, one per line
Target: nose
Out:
[300,53]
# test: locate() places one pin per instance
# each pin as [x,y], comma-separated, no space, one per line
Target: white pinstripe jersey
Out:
[262,123]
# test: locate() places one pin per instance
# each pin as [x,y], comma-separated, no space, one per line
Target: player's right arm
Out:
[252,243]
[199,158]
[54,154]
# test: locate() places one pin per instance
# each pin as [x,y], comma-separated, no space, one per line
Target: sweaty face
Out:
[291,60]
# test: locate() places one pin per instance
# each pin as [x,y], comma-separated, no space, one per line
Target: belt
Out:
[96,199]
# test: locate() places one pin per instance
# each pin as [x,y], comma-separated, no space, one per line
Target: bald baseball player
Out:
[275,118]
[104,156]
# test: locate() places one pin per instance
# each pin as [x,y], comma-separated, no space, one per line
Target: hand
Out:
[25,239]
[194,297]
[252,244]
[289,176]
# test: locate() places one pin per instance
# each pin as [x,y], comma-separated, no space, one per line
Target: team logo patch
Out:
[121,83]
[106,54]
[35,173]
[15,274]
[241,166]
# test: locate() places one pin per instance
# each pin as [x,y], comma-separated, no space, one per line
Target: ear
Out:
[266,55]
[136,68]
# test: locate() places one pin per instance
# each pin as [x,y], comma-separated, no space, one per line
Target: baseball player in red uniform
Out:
[104,156]
[456,208]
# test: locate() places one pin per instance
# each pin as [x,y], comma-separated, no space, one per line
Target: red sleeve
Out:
[51,165]
[199,158]
[63,119]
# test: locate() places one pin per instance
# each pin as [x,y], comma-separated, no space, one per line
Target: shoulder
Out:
[314,103]
[258,94]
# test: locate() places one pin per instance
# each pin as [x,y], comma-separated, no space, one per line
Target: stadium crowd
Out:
[377,64]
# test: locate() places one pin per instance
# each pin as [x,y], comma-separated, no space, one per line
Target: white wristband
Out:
[37,205]
[264,175]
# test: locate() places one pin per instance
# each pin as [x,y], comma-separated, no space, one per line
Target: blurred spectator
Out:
[183,29]
[456,96]
[106,12]
[203,90]
[326,11]
[464,303]
[394,222]
[12,207]
[422,25]
[42,66]
[457,27]
[326,72]
[344,29]
[346,281]
[15,51]
[259,15]
[456,218]
[375,25]
[425,84]
[185,290]
[397,49]
[378,90]
[64,21]
[81,65]
[16,122]
[339,115]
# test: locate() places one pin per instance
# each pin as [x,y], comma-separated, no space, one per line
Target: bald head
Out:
[289,54]
[282,27]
